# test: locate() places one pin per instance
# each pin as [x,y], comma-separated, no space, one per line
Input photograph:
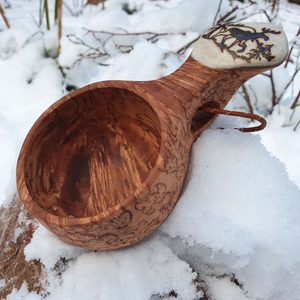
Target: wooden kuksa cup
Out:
[104,166]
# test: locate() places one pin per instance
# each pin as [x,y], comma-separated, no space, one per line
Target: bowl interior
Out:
[92,152]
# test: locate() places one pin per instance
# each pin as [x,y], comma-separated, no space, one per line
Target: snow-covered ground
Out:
[235,230]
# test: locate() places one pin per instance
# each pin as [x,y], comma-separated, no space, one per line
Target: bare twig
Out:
[218,11]
[78,41]
[228,16]
[247,98]
[288,85]
[296,102]
[275,8]
[274,99]
[76,11]
[102,38]
[91,52]
[294,105]
[31,37]
[58,13]
[55,11]
[69,9]
[151,34]
[295,128]
[266,15]
[46,10]
[292,48]
[41,9]
[274,96]
[275,5]
[2,13]
[185,47]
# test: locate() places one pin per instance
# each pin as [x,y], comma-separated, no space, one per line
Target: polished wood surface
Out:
[104,166]
[92,155]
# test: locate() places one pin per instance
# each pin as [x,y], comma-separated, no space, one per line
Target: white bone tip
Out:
[248,45]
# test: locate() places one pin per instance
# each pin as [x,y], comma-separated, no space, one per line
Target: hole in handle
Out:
[217,111]
[203,117]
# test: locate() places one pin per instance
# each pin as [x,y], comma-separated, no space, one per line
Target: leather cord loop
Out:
[218,111]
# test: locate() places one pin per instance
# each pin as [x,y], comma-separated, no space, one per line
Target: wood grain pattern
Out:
[104,166]
[16,230]
[85,154]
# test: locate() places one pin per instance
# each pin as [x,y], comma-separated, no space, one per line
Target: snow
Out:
[22,294]
[136,273]
[222,288]
[285,144]
[216,227]
[29,84]
[236,229]
[2,283]
[51,250]
[248,222]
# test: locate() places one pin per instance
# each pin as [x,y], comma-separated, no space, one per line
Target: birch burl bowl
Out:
[104,166]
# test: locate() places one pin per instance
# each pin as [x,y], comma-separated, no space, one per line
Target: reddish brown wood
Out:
[103,167]
[240,114]
[95,2]
[16,229]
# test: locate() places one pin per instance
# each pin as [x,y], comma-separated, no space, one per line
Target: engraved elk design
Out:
[241,41]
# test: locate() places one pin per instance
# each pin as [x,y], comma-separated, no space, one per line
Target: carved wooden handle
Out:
[224,58]
[235,46]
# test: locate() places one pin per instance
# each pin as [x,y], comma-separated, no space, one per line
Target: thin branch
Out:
[46,10]
[288,84]
[184,48]
[2,13]
[274,102]
[103,37]
[296,102]
[58,12]
[31,37]
[91,52]
[151,37]
[295,128]
[41,9]
[247,98]
[271,11]
[55,11]
[126,33]
[69,9]
[275,8]
[292,48]
[274,97]
[228,15]
[254,93]
[217,13]
[267,15]
[78,41]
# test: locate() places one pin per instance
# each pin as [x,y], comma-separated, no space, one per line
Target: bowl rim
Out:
[47,218]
